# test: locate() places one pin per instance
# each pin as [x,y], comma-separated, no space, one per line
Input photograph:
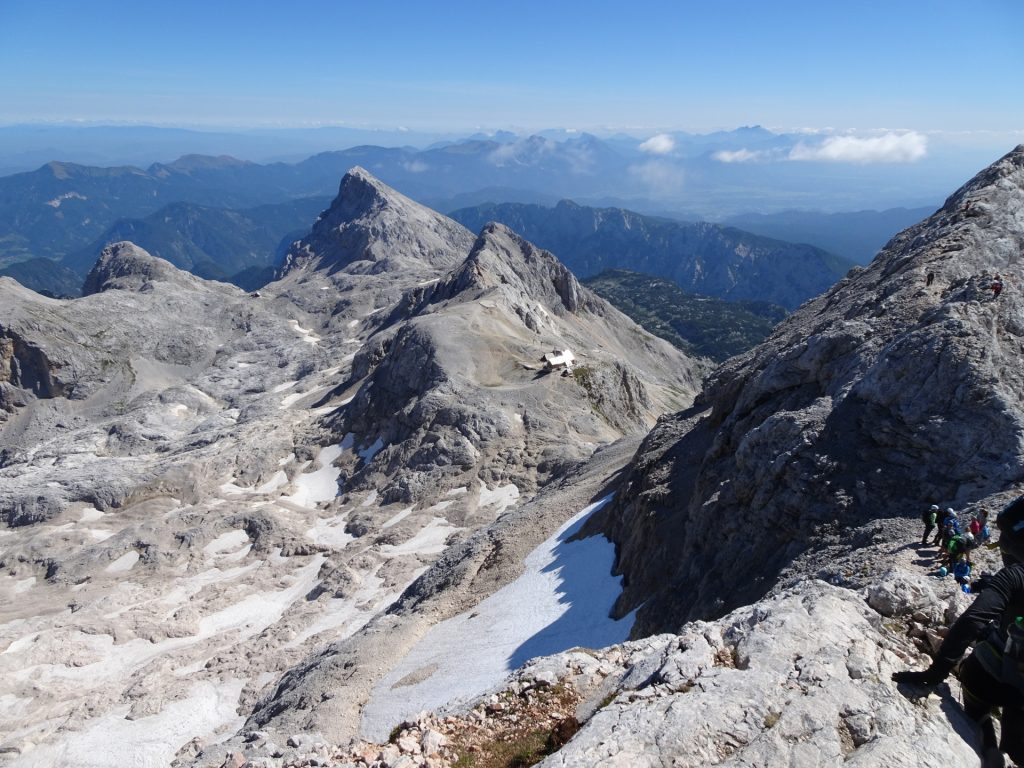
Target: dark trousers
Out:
[982,694]
[928,528]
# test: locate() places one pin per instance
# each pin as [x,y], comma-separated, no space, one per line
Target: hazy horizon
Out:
[929,68]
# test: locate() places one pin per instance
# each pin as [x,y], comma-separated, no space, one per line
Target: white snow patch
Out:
[284,386]
[149,742]
[258,611]
[560,602]
[98,535]
[278,480]
[21,644]
[353,323]
[24,585]
[292,398]
[330,532]
[429,541]
[367,454]
[371,498]
[344,615]
[458,491]
[398,518]
[90,515]
[502,497]
[227,542]
[124,563]
[321,485]
[307,334]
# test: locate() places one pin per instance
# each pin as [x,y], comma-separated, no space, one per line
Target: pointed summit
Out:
[371,228]
[502,257]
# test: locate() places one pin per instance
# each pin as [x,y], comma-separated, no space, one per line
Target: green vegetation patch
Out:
[699,325]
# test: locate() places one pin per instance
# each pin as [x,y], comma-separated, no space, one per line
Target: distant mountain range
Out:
[63,206]
[701,258]
[215,243]
[857,235]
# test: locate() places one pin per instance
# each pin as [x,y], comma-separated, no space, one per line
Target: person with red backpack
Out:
[992,677]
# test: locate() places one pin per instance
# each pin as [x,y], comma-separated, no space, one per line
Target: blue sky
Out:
[639,66]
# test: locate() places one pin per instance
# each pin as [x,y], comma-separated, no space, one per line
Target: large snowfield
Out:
[561,601]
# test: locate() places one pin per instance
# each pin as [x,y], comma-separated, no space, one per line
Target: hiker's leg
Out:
[1013,733]
[981,694]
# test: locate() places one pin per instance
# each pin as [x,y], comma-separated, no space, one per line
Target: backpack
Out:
[928,517]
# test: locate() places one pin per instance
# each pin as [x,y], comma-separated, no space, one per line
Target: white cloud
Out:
[415,166]
[888,148]
[523,152]
[737,156]
[661,144]
[659,176]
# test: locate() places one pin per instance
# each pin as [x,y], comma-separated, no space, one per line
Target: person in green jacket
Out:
[929,518]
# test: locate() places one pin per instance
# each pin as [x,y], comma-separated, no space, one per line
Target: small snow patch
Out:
[397,518]
[502,497]
[227,542]
[90,515]
[291,399]
[321,485]
[331,532]
[307,335]
[278,480]
[431,540]
[124,563]
[367,454]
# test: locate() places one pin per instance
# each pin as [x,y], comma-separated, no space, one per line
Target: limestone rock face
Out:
[899,387]
[802,679]
[453,386]
[125,266]
[372,244]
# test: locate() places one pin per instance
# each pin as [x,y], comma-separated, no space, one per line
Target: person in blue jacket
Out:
[992,676]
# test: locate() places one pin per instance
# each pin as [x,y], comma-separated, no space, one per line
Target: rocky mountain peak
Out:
[371,228]
[899,386]
[125,265]
[501,257]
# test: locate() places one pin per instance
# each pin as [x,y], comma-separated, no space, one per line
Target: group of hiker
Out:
[992,676]
[954,543]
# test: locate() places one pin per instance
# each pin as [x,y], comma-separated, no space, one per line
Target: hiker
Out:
[930,279]
[956,547]
[929,518]
[948,528]
[962,571]
[986,532]
[997,286]
[993,675]
[975,527]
